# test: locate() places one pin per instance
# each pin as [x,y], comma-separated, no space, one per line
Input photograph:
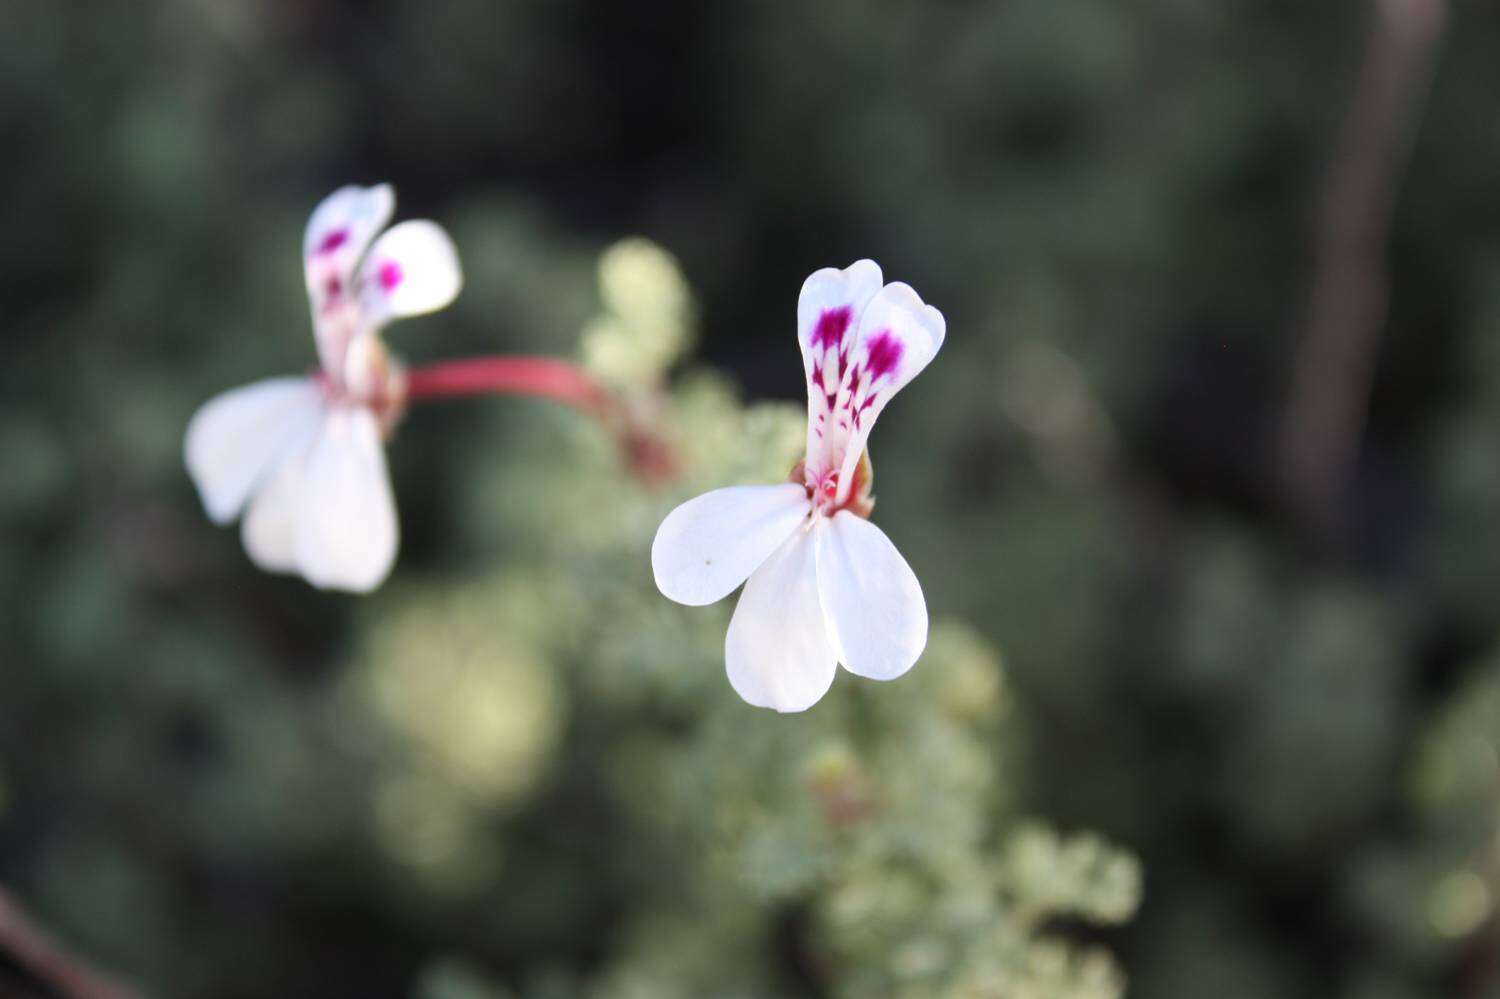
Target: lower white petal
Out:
[237,437]
[346,528]
[876,612]
[710,544]
[269,530]
[778,651]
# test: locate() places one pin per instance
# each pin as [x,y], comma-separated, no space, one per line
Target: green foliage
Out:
[535,763]
[866,836]
[516,771]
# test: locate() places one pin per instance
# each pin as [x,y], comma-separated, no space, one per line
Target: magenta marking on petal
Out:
[832,325]
[333,293]
[390,275]
[333,241]
[885,354]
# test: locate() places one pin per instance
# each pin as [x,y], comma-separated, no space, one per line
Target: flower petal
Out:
[269,530]
[338,233]
[411,269]
[876,612]
[710,544]
[346,529]
[828,312]
[898,335]
[825,294]
[777,652]
[235,439]
[340,229]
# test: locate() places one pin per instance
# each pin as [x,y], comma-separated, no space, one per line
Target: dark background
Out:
[1287,708]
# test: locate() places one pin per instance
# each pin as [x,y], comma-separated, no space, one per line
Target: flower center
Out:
[823,489]
[369,377]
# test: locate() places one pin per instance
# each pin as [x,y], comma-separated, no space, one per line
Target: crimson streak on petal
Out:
[832,325]
[885,354]
[333,241]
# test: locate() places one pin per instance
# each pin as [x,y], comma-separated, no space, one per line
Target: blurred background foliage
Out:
[516,771]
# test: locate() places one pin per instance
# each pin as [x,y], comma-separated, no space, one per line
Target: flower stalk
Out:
[545,377]
[41,957]
[649,456]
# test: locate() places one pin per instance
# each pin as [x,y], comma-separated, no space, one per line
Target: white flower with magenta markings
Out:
[303,458]
[823,585]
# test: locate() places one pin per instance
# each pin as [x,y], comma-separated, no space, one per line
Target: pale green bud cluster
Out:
[648,318]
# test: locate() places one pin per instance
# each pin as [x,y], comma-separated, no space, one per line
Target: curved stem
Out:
[36,953]
[519,375]
[548,378]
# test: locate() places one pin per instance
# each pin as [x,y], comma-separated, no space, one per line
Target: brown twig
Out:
[47,962]
[1480,957]
[1347,306]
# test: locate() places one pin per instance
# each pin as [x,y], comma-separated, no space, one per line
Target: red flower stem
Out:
[545,377]
[36,952]
[514,375]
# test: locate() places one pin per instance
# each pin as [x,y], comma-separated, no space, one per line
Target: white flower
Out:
[304,457]
[823,585]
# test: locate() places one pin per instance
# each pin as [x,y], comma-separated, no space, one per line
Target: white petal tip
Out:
[360,587]
[782,702]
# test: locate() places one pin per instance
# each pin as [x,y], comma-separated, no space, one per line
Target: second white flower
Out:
[823,585]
